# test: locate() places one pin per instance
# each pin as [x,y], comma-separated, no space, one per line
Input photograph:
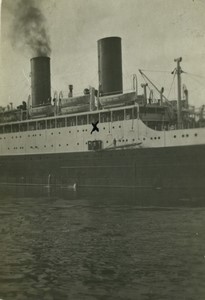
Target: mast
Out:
[178,72]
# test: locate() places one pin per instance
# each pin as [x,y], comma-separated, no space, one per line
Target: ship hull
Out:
[159,168]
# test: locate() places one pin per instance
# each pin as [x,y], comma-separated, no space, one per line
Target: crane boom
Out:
[153,85]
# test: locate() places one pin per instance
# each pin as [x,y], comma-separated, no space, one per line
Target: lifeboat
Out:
[75,101]
[75,109]
[117,100]
[10,116]
[46,110]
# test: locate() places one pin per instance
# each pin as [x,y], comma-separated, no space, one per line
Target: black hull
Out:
[158,168]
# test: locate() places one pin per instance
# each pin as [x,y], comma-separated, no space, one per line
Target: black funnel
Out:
[110,66]
[40,80]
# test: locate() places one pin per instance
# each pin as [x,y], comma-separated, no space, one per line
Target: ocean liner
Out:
[104,138]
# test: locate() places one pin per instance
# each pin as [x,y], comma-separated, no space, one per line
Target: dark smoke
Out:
[29,28]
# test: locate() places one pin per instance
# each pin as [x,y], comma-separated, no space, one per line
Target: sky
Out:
[153,32]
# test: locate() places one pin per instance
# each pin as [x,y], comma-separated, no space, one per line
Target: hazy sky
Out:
[153,33]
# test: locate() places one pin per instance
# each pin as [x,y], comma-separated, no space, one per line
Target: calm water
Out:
[101,247]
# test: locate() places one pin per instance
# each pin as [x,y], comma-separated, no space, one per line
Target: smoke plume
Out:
[29,28]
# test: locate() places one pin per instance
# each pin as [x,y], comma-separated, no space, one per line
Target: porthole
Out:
[126,140]
[195,134]
[77,130]
[107,142]
[59,133]
[52,133]
[175,136]
[119,126]
[151,138]
[182,135]
[143,139]
[40,134]
[133,140]
[59,145]
[66,144]
[158,137]
[51,145]
[155,138]
[187,135]
[119,141]
[77,143]
[44,146]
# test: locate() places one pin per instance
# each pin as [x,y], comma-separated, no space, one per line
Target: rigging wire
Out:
[200,76]
[146,81]
[171,84]
[196,81]
[155,87]
[193,78]
[157,71]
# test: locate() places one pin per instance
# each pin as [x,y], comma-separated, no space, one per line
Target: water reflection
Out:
[142,197]
[95,244]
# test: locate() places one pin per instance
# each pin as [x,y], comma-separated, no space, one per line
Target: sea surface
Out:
[70,245]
